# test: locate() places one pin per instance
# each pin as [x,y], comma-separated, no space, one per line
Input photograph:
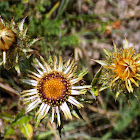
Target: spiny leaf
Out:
[33,41]
[21,24]
[136,96]
[94,92]
[126,46]
[59,128]
[83,72]
[115,48]
[101,62]
[78,113]
[108,53]
[117,94]
[96,78]
[75,114]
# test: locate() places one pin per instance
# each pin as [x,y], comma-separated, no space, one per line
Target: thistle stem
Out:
[4,57]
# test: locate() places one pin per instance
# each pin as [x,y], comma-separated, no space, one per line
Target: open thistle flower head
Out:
[14,41]
[54,89]
[123,67]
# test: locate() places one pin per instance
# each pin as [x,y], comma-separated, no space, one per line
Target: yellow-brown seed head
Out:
[7,38]
[54,88]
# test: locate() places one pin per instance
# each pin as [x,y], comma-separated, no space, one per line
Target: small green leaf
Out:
[94,92]
[9,132]
[21,119]
[27,130]
[37,121]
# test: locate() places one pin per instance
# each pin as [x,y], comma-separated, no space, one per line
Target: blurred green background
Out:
[80,29]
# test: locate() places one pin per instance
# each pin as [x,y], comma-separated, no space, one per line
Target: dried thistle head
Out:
[14,42]
[7,38]
[123,69]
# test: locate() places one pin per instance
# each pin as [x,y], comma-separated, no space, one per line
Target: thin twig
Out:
[103,112]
